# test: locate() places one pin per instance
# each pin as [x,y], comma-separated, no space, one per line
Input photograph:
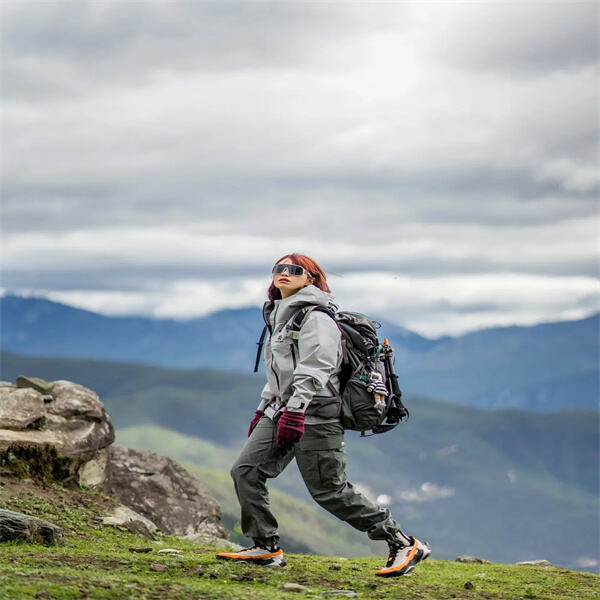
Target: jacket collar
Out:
[285,308]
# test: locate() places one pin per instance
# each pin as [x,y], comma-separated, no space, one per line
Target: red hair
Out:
[315,271]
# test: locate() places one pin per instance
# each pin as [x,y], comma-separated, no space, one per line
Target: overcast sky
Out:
[440,160]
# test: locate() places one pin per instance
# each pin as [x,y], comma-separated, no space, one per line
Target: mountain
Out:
[503,484]
[544,367]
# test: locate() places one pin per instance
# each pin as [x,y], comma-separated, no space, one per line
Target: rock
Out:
[163,491]
[535,563]
[54,439]
[36,383]
[294,587]
[140,550]
[171,552]
[125,517]
[472,559]
[343,593]
[20,409]
[15,526]
[158,567]
[241,578]
[93,473]
[469,586]
[79,416]
[60,431]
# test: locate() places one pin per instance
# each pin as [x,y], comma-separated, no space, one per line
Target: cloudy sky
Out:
[440,160]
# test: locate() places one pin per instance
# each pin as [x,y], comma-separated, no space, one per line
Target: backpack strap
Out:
[261,341]
[260,344]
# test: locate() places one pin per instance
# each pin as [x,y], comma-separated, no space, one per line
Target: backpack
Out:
[364,360]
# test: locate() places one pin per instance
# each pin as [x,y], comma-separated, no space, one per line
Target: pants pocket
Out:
[331,465]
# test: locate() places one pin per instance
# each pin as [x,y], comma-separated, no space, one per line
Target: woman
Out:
[298,417]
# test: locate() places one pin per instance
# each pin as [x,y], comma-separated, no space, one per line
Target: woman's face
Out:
[289,284]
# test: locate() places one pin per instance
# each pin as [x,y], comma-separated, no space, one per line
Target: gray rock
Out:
[126,517]
[535,563]
[94,472]
[343,593]
[72,428]
[163,491]
[294,587]
[171,551]
[472,559]
[20,408]
[36,383]
[14,526]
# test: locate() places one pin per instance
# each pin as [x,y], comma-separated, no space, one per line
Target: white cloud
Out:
[441,157]
[425,493]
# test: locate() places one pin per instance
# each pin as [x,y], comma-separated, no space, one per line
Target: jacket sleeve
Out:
[319,356]
[265,397]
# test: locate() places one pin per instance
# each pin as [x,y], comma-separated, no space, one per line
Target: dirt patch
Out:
[15,487]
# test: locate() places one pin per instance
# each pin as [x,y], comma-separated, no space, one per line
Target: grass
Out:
[96,563]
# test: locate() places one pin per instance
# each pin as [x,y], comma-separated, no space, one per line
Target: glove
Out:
[290,428]
[378,387]
[257,416]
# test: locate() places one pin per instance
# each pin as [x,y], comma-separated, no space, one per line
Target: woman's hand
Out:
[290,428]
[257,416]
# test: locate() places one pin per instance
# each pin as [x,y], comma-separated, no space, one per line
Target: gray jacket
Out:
[301,373]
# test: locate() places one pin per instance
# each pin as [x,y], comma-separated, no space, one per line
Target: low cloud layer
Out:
[439,159]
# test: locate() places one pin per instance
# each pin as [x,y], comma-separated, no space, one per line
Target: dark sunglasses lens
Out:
[291,269]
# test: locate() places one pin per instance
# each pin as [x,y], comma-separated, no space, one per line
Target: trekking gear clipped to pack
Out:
[366,375]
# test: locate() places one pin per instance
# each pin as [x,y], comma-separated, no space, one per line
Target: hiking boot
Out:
[266,556]
[403,559]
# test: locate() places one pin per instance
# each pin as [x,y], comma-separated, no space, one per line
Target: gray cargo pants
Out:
[321,458]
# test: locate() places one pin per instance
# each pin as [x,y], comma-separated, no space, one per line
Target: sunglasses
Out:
[291,269]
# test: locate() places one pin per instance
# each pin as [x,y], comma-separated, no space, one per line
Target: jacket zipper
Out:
[293,354]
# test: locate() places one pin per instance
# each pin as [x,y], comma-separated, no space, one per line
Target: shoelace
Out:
[271,549]
[394,549]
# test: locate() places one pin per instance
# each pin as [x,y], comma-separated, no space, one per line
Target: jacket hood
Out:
[285,308]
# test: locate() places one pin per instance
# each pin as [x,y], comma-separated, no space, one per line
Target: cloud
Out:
[522,39]
[425,493]
[153,154]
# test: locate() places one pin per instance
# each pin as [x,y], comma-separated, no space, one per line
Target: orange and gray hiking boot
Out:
[267,556]
[403,559]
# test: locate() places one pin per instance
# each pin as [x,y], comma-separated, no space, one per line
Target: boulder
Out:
[16,526]
[60,431]
[124,516]
[472,559]
[164,492]
[21,409]
[535,563]
[43,421]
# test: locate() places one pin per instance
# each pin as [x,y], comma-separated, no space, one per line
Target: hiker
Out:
[298,418]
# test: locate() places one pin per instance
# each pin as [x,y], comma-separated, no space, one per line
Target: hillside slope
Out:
[99,562]
[463,478]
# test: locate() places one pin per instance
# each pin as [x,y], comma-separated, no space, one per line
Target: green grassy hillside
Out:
[464,479]
[97,562]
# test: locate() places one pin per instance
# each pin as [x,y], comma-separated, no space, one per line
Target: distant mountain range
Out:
[506,485]
[545,367]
